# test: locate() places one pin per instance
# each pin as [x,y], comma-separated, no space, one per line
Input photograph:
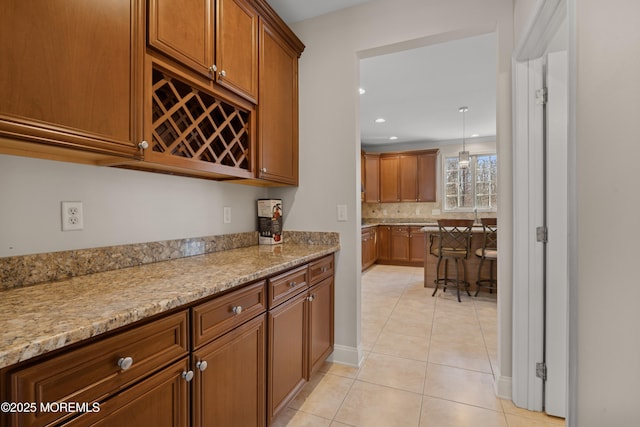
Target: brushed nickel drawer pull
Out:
[125,363]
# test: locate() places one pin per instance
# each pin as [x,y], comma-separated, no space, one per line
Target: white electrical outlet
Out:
[227,215]
[72,216]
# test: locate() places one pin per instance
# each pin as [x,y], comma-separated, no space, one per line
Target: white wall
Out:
[329,129]
[120,206]
[605,289]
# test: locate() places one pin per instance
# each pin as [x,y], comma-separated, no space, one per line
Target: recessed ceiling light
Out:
[393,138]
[362,91]
[475,135]
[380,120]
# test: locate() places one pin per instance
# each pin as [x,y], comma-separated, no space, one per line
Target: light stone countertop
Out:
[37,319]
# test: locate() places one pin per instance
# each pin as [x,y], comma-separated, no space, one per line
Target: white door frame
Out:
[528,213]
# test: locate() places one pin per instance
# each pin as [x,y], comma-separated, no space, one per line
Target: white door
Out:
[556,280]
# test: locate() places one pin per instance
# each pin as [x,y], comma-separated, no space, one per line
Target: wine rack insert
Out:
[191,124]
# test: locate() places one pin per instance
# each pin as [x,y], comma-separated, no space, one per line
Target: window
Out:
[472,188]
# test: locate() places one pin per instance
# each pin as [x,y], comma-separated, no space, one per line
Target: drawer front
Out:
[92,373]
[288,284]
[220,315]
[321,269]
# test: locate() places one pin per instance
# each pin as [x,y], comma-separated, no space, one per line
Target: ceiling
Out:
[418,91]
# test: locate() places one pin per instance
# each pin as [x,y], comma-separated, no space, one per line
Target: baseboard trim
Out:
[345,355]
[502,386]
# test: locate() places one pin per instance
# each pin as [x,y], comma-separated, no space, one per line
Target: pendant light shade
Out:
[463,156]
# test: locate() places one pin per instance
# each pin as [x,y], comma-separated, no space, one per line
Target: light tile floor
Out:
[428,362]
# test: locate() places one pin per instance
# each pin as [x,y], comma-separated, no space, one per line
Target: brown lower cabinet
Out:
[400,245]
[235,359]
[300,333]
[230,389]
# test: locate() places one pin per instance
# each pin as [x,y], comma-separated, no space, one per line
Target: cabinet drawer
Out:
[92,373]
[288,284]
[220,315]
[321,269]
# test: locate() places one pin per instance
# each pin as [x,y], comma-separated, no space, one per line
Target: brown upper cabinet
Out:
[278,108]
[216,38]
[371,182]
[203,88]
[408,177]
[70,78]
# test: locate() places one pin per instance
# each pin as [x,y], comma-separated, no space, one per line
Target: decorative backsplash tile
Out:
[48,267]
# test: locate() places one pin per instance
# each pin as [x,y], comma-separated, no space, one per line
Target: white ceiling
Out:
[419,91]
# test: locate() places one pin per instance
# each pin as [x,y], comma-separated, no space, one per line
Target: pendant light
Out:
[463,156]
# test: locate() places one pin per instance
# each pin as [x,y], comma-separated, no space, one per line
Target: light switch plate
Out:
[342,212]
[227,215]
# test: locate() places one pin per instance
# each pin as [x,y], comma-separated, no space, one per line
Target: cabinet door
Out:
[277,109]
[384,243]
[400,243]
[371,178]
[71,72]
[237,47]
[321,307]
[427,177]
[417,245]
[389,183]
[230,391]
[288,355]
[161,400]
[183,30]
[408,176]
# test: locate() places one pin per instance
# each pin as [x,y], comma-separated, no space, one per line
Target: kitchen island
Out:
[431,234]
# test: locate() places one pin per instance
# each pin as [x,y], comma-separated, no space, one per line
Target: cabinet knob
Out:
[202,365]
[323,269]
[213,68]
[264,170]
[187,375]
[237,309]
[311,297]
[143,145]
[223,73]
[292,284]
[125,363]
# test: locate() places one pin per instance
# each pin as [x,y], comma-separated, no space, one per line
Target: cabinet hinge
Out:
[541,96]
[541,371]
[542,234]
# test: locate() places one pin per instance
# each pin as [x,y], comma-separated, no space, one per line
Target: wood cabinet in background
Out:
[369,246]
[71,79]
[389,179]
[416,245]
[384,244]
[427,176]
[407,177]
[400,245]
[371,182]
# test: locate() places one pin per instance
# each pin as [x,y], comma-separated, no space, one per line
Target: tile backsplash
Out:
[412,212]
[28,270]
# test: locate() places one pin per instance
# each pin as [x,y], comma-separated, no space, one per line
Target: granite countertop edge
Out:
[46,317]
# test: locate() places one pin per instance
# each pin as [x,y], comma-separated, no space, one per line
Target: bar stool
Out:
[454,245]
[488,252]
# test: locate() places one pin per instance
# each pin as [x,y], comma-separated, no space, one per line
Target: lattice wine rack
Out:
[191,124]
